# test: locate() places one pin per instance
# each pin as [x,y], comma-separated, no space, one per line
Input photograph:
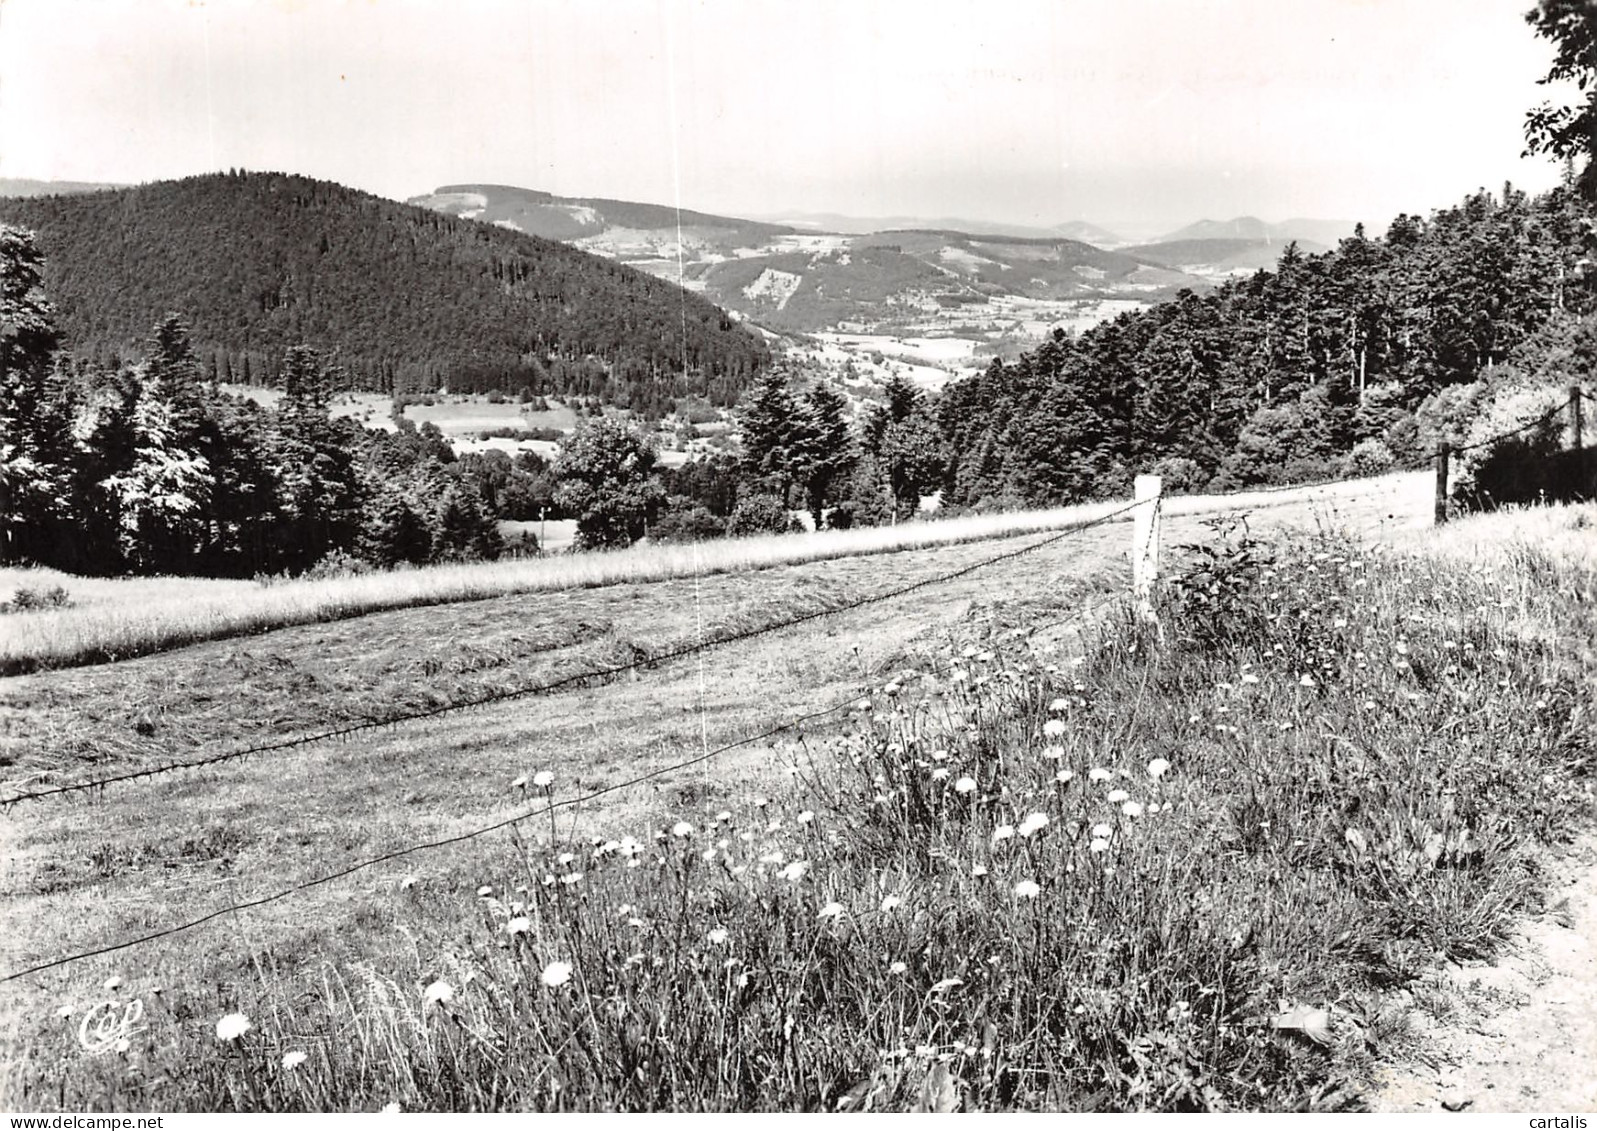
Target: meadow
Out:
[117,619]
[1029,858]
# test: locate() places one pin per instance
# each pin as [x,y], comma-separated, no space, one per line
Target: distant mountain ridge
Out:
[405,297]
[26,186]
[1323,232]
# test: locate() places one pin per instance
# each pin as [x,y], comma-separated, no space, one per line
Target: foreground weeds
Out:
[1174,876]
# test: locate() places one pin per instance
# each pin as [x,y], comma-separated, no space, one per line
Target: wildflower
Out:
[64,1011]
[520,925]
[947,984]
[485,891]
[1158,768]
[232,1026]
[940,773]
[897,968]
[681,828]
[1098,773]
[556,974]
[1053,728]
[439,993]
[1063,776]
[831,910]
[390,1109]
[1132,809]
[1099,844]
[965,785]
[1059,705]
[889,902]
[293,1060]
[724,815]
[806,817]
[1053,753]
[978,870]
[112,982]
[795,871]
[407,883]
[543,779]
[1306,680]
[718,936]
[1249,677]
[1102,831]
[1116,796]
[564,858]
[1033,823]
[519,783]
[1002,832]
[1027,889]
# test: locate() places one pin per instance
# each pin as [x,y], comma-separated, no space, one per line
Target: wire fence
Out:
[550,805]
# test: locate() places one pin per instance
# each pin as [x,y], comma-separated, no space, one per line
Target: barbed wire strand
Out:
[562,682]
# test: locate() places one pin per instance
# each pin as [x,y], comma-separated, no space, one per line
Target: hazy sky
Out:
[1143,113]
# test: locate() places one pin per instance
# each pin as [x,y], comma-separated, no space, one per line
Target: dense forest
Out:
[404,298]
[1349,360]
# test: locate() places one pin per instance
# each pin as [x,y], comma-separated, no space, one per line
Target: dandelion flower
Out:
[1002,832]
[1099,844]
[64,1011]
[543,779]
[1059,705]
[681,828]
[1116,796]
[1158,768]
[1132,809]
[831,910]
[940,773]
[439,993]
[897,968]
[293,1060]
[1306,680]
[978,870]
[407,883]
[965,785]
[718,936]
[112,982]
[1098,773]
[889,902]
[485,890]
[806,817]
[519,783]
[1053,728]
[1102,830]
[1033,823]
[1063,776]
[232,1026]
[520,925]
[390,1109]
[947,984]
[795,871]
[1249,677]
[556,974]
[1027,889]
[1053,753]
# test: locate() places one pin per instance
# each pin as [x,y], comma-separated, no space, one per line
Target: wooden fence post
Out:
[1145,545]
[1443,454]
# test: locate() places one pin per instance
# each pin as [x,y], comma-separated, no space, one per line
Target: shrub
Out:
[1181,476]
[28,599]
[687,521]
[761,514]
[339,563]
[1368,457]
[1516,468]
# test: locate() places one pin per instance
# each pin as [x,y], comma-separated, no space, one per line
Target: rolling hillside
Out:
[405,297]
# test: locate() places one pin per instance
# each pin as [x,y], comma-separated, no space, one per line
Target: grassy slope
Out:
[89,872]
[103,627]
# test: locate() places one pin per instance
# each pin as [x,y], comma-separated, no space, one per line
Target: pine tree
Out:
[822,446]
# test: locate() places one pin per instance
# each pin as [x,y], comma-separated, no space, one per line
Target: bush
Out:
[761,514]
[31,600]
[1368,457]
[1516,468]
[1181,476]
[687,521]
[339,563]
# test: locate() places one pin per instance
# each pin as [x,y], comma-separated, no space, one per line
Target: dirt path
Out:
[1521,1035]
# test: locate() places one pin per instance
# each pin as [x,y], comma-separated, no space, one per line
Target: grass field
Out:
[339,971]
[119,619]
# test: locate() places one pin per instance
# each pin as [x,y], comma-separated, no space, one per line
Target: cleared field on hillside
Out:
[104,627]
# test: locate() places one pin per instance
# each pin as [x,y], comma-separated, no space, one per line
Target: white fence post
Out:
[1145,546]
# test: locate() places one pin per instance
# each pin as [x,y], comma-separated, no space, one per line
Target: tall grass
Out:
[152,615]
[1172,876]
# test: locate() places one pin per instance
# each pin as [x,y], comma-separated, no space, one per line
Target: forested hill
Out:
[403,297]
[1330,363]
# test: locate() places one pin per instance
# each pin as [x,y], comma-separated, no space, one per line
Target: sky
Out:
[1141,114]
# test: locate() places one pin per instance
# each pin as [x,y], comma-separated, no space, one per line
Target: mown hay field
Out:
[1052,863]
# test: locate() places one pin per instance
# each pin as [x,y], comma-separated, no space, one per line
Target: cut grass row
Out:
[109,623]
